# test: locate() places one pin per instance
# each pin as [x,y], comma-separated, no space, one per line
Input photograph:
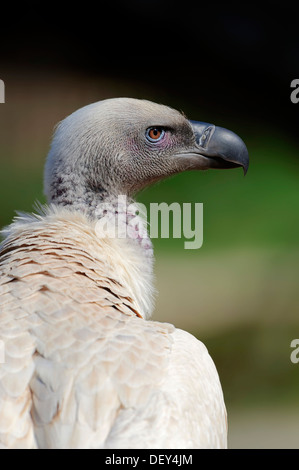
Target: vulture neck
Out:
[121,217]
[116,215]
[119,220]
[121,236]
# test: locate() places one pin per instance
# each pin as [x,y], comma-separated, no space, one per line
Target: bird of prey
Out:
[84,365]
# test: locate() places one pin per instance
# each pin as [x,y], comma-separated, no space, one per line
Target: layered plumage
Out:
[84,367]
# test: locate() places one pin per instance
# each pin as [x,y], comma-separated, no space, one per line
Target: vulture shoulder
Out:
[82,368]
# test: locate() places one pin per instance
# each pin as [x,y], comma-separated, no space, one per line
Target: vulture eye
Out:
[154,134]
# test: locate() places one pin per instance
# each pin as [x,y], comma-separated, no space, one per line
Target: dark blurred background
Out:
[228,65]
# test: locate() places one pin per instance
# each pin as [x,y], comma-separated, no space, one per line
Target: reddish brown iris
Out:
[155,133]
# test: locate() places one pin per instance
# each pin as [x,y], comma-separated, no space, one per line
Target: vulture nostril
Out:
[204,139]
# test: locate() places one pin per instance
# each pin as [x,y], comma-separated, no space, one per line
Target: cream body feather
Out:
[83,367]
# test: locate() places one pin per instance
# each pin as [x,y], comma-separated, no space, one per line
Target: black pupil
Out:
[156,132]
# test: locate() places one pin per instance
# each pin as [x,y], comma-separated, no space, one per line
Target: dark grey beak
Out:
[223,147]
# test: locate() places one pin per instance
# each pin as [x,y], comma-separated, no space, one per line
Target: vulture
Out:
[84,366]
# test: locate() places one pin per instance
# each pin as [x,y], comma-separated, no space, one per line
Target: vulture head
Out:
[118,146]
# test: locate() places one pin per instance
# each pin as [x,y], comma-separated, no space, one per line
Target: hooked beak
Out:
[223,148]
